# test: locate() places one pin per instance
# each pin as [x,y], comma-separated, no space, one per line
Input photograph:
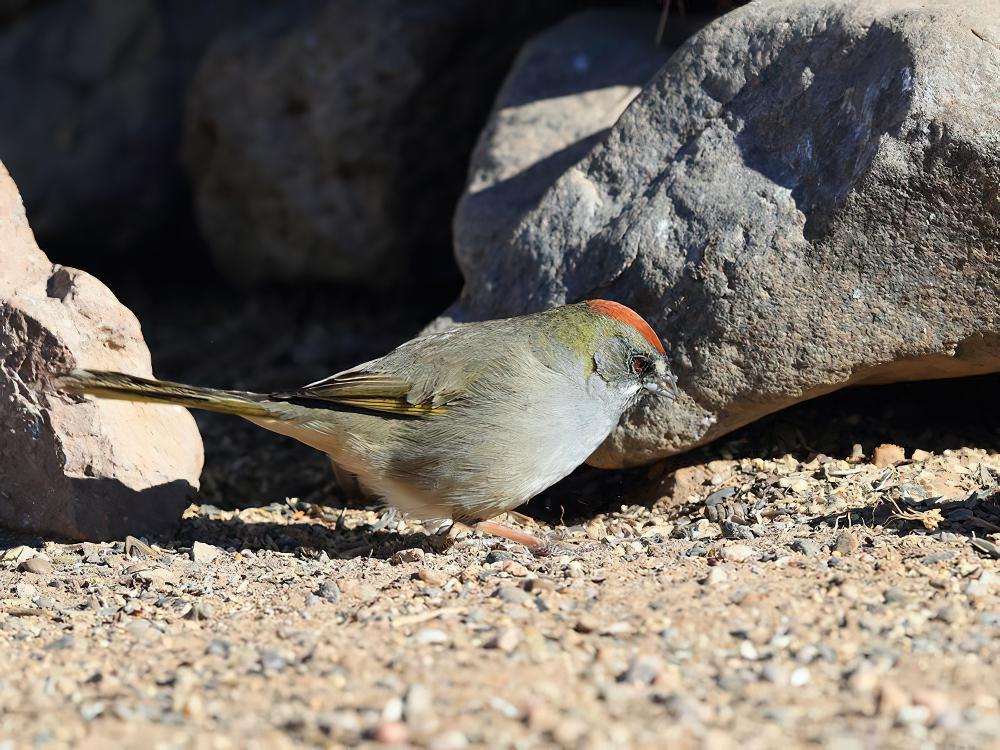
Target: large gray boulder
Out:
[804,198]
[334,147]
[567,86]
[74,467]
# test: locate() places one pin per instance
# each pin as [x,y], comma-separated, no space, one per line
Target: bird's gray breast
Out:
[546,439]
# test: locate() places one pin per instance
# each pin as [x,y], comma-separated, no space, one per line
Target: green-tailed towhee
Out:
[464,424]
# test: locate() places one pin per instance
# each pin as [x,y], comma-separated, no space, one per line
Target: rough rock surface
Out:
[90,116]
[567,87]
[335,147]
[803,198]
[69,467]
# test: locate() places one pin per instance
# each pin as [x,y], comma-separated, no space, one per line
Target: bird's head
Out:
[628,354]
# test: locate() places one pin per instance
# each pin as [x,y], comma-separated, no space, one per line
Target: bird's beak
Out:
[664,386]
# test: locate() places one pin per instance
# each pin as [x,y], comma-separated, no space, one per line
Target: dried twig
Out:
[929,518]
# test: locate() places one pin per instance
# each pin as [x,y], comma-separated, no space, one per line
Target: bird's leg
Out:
[536,546]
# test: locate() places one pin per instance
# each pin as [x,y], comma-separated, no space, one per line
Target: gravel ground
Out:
[828,602]
[784,586]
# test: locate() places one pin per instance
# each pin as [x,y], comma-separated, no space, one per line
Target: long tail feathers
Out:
[117,385]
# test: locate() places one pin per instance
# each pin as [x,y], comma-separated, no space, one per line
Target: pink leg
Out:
[537,547]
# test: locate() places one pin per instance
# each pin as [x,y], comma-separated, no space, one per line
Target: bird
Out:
[460,425]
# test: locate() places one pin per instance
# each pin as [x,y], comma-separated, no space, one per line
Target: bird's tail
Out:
[117,385]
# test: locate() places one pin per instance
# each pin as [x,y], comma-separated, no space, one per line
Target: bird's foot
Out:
[537,547]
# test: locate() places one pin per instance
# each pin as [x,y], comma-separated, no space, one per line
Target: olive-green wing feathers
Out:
[367,390]
[422,377]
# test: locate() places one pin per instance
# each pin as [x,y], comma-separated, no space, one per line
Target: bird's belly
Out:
[476,474]
[466,467]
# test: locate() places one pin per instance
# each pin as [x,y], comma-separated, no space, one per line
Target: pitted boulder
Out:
[332,145]
[71,467]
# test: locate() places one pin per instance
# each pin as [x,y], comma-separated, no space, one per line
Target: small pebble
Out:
[272,661]
[715,576]
[218,648]
[329,591]
[733,530]
[204,553]
[451,740]
[986,547]
[719,495]
[937,557]
[156,577]
[393,710]
[60,644]
[365,592]
[37,565]
[807,654]
[536,585]
[948,614]
[391,733]
[799,677]
[200,611]
[513,595]
[985,584]
[430,636]
[887,454]
[143,629]
[846,543]
[806,547]
[617,628]
[913,714]
[505,640]
[418,703]
[17,555]
[513,568]
[737,552]
[774,674]
[643,670]
[990,619]
[896,595]
[587,624]
[90,711]
[414,554]
[432,577]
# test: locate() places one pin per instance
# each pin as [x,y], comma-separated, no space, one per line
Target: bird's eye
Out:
[640,364]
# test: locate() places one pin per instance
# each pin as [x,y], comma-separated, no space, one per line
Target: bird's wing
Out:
[370,390]
[419,378]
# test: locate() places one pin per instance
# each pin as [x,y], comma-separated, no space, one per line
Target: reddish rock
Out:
[72,467]
[888,454]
